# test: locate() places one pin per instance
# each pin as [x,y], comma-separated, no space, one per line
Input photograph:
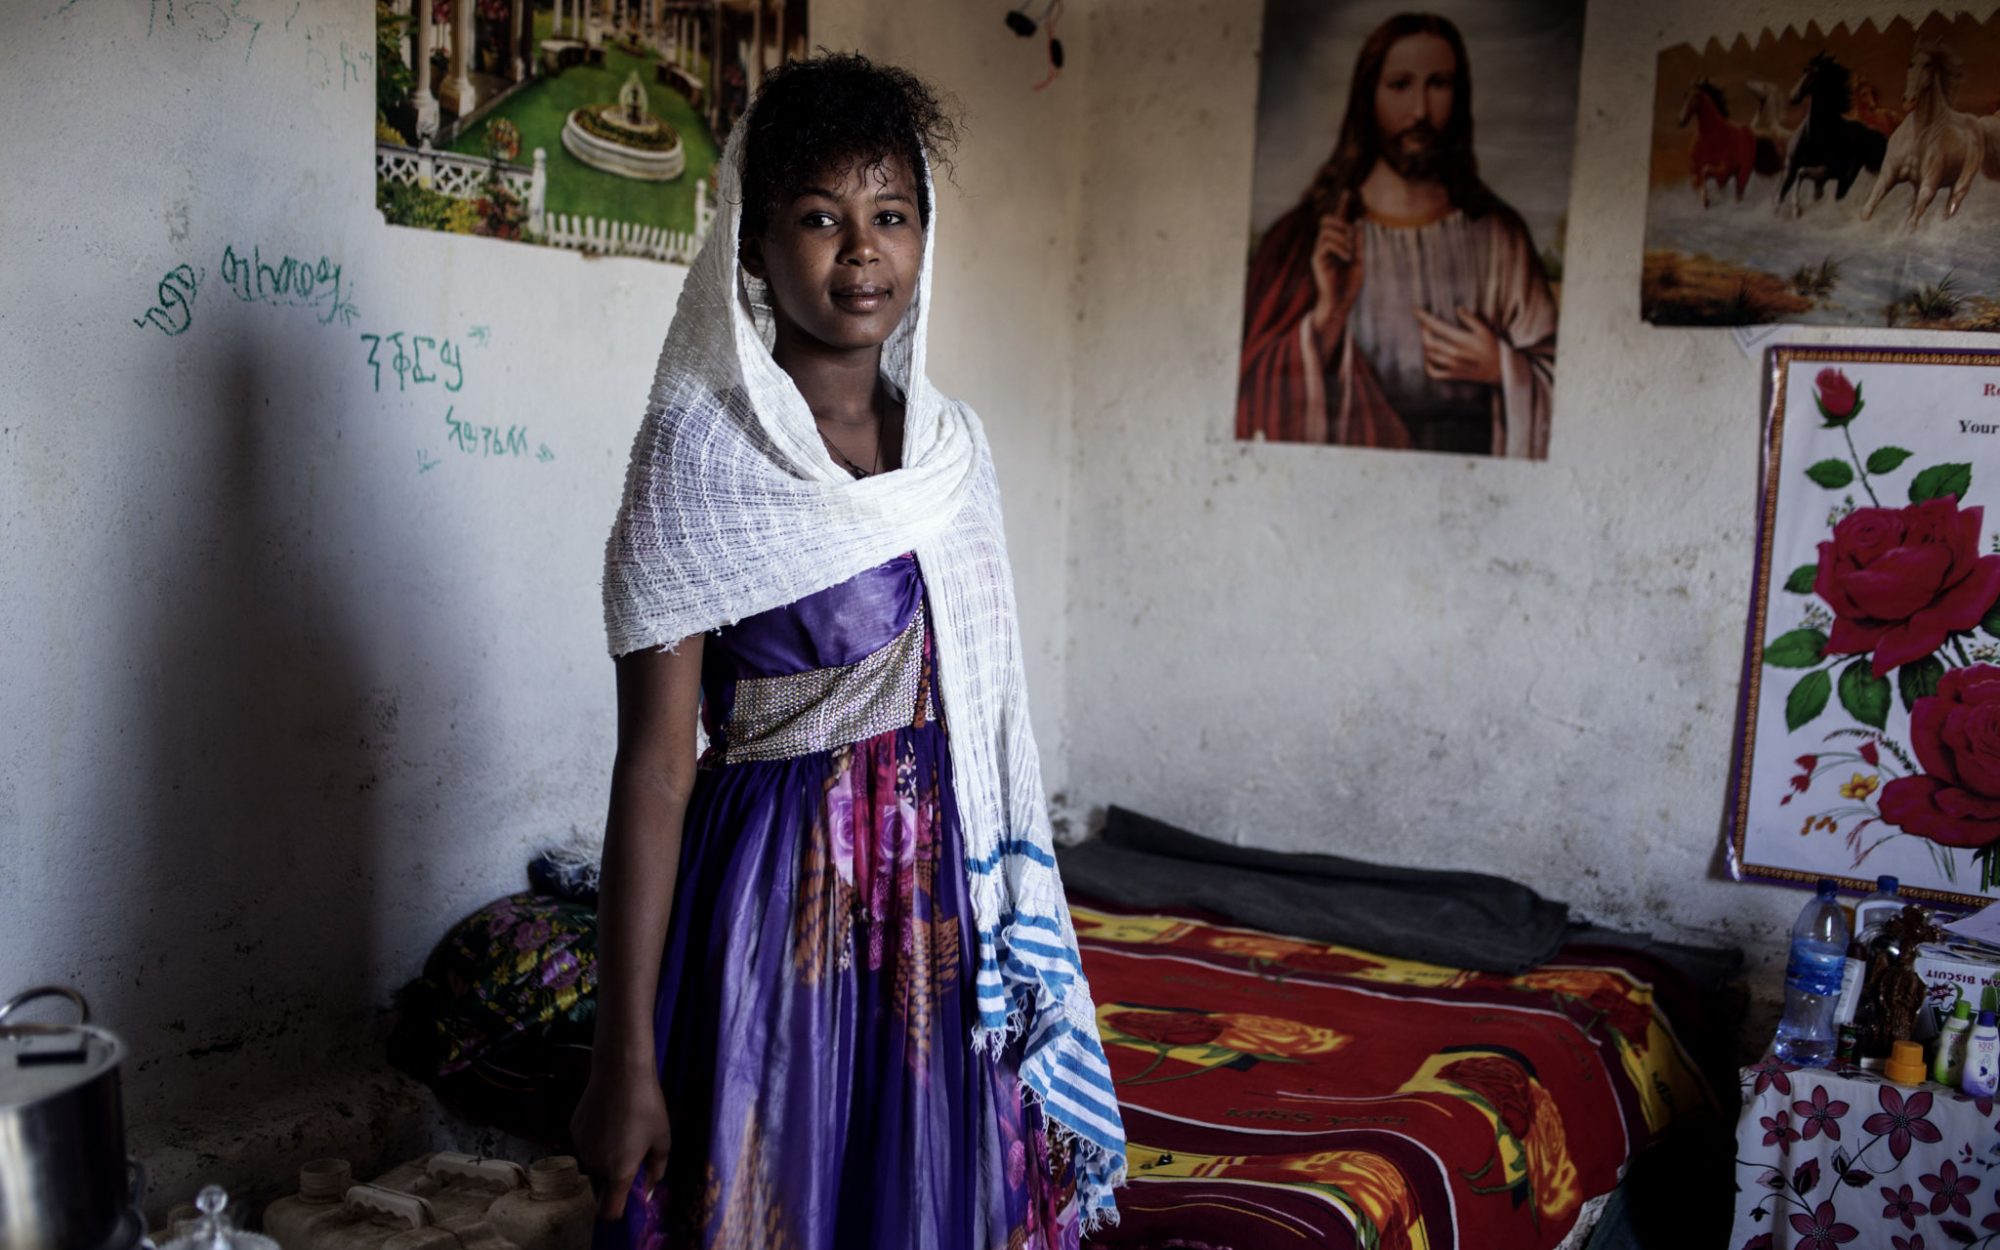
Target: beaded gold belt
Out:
[776,718]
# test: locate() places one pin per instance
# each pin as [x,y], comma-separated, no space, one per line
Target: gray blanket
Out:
[1460,919]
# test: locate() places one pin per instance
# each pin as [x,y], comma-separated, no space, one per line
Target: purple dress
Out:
[815,1007]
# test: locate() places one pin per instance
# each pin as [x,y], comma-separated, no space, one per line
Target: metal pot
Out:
[64,1180]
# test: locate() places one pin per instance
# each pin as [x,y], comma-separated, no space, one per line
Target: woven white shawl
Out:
[733,506]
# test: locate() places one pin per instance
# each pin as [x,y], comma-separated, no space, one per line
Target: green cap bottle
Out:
[1949,1064]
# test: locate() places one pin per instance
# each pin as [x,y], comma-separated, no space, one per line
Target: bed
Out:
[1290,1091]
[1309,1051]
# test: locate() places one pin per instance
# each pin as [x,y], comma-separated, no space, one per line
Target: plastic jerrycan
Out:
[555,1212]
[391,1221]
[366,1218]
[457,1186]
[323,1184]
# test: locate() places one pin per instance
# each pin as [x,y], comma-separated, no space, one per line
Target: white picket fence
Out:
[457,174]
[620,238]
[461,177]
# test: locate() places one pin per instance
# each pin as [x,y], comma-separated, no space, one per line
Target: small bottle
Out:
[1812,981]
[1853,974]
[1949,1066]
[1982,1059]
[1875,911]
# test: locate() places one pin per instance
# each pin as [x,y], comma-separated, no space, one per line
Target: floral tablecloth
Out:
[1836,1157]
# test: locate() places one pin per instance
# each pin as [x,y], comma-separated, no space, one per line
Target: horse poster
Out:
[1871,694]
[1841,177]
[1406,230]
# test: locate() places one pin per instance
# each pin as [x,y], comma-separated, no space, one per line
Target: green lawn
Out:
[574,187]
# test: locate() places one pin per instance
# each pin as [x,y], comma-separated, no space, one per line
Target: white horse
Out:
[1769,123]
[1989,126]
[1935,146]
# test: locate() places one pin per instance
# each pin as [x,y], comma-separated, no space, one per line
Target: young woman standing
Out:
[841,1004]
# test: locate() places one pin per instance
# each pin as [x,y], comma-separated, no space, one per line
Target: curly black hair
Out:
[831,113]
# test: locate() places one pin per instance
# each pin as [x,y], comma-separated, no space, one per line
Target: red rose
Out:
[1900,580]
[1630,1019]
[1503,1085]
[1956,733]
[1839,399]
[1169,1028]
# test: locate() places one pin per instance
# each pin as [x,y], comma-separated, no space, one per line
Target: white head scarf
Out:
[733,506]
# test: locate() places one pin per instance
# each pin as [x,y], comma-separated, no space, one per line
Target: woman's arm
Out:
[620,1126]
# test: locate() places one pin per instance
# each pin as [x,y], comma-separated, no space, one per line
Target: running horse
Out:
[1935,146]
[1723,151]
[1828,143]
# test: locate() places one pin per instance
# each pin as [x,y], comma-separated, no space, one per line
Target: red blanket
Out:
[1282,1093]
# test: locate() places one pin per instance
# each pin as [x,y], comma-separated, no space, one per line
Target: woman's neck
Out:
[841,387]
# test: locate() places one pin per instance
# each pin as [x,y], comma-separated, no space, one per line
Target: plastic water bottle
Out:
[1812,981]
[1875,911]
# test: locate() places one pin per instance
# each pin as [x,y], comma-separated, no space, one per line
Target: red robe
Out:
[1271,394]
[1285,394]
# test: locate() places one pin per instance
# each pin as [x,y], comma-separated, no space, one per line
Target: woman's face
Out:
[842,256]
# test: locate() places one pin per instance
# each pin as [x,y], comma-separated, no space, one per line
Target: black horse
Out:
[1828,143]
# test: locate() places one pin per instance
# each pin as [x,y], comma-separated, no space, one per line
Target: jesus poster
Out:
[1406,233]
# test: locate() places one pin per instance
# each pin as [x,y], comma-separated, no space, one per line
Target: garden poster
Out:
[593,125]
[1870,728]
[1843,176]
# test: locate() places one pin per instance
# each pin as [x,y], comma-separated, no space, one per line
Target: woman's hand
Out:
[620,1131]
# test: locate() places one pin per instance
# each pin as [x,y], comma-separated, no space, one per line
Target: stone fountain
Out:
[625,138]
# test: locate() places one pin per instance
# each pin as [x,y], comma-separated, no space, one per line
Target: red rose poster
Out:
[1870,731]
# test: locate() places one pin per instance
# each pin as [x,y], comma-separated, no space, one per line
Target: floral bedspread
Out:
[1827,1158]
[1285,1093]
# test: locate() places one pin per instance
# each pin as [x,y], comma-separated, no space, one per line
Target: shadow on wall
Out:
[252,833]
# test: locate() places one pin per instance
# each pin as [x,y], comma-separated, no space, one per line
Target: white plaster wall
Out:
[276,706]
[1523,668]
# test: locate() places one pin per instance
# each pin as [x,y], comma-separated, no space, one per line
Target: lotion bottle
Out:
[1949,1066]
[1982,1058]
[1853,973]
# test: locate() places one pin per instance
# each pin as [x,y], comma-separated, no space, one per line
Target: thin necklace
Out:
[873,465]
[854,468]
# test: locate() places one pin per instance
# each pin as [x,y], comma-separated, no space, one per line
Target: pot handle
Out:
[47,991]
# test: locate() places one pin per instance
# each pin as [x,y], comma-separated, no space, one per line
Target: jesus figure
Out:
[1401,304]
